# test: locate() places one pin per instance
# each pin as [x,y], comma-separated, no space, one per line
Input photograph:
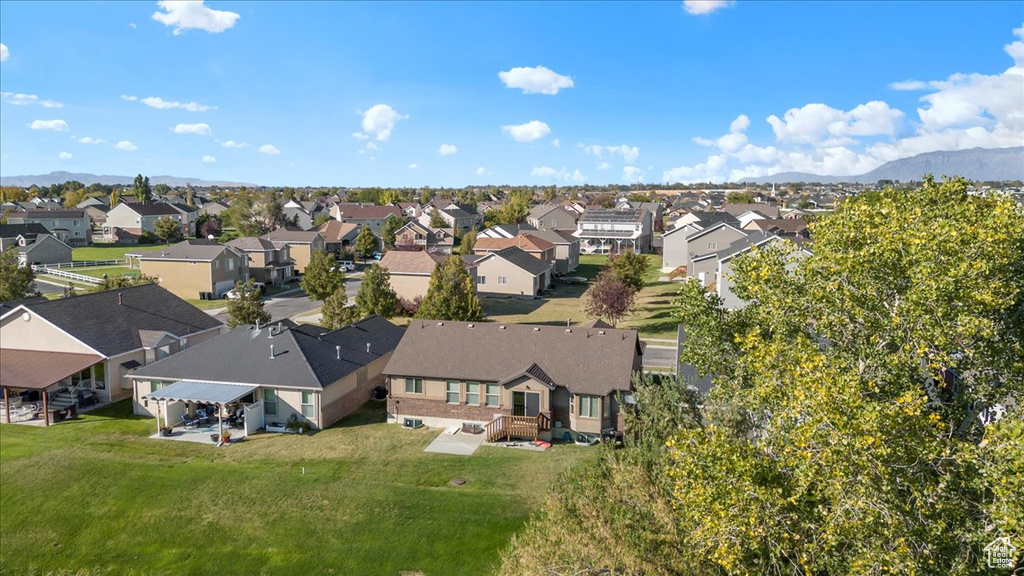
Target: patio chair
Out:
[189,421]
[202,416]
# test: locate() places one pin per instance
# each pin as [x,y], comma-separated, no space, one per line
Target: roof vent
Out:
[367,347]
[271,351]
[600,332]
[337,350]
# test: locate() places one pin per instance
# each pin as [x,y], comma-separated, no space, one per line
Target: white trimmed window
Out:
[491,397]
[270,401]
[712,245]
[308,410]
[590,406]
[502,280]
[453,392]
[414,385]
[473,393]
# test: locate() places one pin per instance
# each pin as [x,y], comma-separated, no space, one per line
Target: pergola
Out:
[35,370]
[198,392]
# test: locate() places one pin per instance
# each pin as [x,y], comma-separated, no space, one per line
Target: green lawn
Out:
[96,495]
[209,304]
[109,251]
[110,271]
[651,317]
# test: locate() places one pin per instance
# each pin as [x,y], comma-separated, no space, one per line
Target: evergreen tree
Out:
[391,225]
[15,281]
[336,312]
[247,308]
[141,189]
[468,241]
[366,243]
[322,276]
[436,221]
[375,295]
[451,294]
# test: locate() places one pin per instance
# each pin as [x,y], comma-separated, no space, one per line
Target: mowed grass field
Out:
[96,495]
[98,252]
[651,317]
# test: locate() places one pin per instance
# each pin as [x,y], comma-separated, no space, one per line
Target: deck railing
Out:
[507,426]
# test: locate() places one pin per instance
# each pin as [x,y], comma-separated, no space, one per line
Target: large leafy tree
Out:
[630,267]
[451,294]
[167,229]
[366,243]
[15,281]
[467,242]
[391,225]
[375,294]
[322,276]
[609,297]
[141,189]
[255,213]
[436,221]
[73,197]
[247,308]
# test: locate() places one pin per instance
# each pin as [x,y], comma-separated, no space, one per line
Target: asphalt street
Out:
[659,356]
[295,303]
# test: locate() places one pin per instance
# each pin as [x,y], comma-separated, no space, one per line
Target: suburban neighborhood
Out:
[484,299]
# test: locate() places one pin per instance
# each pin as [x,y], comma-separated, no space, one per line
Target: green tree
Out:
[630,268]
[190,199]
[739,197]
[162,189]
[15,281]
[451,294]
[366,243]
[336,312]
[392,224]
[609,297]
[115,197]
[124,281]
[375,295]
[167,229]
[436,221]
[73,197]
[322,276]
[247,308]
[13,194]
[255,213]
[141,189]
[467,242]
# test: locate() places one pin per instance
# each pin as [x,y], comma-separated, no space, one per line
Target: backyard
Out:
[651,317]
[96,495]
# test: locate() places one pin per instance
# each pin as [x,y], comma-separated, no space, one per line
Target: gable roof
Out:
[109,322]
[411,262]
[154,209]
[39,214]
[542,210]
[304,356]
[491,352]
[520,259]
[40,240]
[335,231]
[605,215]
[293,236]
[768,210]
[252,244]
[28,230]
[193,249]
[711,229]
[359,212]
[528,241]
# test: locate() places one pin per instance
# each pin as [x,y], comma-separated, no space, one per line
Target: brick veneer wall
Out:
[408,406]
[348,403]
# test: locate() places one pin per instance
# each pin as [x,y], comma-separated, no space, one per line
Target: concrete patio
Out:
[454,441]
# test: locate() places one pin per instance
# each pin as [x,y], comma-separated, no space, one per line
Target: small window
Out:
[554,223]
[590,406]
[414,385]
[572,405]
[307,405]
[473,393]
[481,279]
[502,280]
[453,391]
[230,264]
[270,402]
[491,398]
[712,245]
[156,385]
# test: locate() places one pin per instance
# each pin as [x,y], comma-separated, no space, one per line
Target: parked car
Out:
[346,265]
[231,294]
[377,255]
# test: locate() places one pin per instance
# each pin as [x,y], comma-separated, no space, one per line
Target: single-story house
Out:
[278,372]
[513,379]
[57,348]
[192,267]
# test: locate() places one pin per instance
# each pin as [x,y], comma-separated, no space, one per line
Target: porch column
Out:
[158,417]
[7,405]
[46,409]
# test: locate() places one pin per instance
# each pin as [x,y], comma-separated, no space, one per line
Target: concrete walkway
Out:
[459,443]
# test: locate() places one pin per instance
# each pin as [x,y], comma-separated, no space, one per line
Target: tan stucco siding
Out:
[519,282]
[183,279]
[37,334]
[409,286]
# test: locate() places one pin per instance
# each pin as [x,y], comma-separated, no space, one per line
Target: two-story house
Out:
[192,268]
[302,244]
[71,227]
[269,263]
[365,215]
[602,231]
[128,220]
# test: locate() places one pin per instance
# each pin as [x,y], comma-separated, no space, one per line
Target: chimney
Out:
[120,299]
[337,350]
[367,347]
[271,351]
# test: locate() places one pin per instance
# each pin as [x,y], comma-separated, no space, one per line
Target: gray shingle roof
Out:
[155,209]
[29,230]
[522,259]
[304,356]
[111,328]
[187,250]
[584,360]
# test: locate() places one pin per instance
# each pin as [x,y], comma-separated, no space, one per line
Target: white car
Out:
[231,294]
[346,265]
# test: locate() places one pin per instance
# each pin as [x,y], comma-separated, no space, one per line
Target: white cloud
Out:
[817,122]
[706,6]
[161,104]
[632,174]
[578,176]
[909,85]
[532,130]
[27,99]
[603,166]
[413,166]
[132,25]
[629,153]
[535,80]
[447,150]
[202,129]
[57,125]
[192,14]
[481,171]
[359,136]
[268,149]
[125,145]
[209,159]
[372,146]
[379,120]
[65,155]
[233,144]
[90,140]
[5,54]
[563,174]
[740,124]
[556,143]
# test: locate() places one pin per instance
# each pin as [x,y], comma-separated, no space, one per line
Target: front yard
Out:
[96,495]
[651,317]
[99,252]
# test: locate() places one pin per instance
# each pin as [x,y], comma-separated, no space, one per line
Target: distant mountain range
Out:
[87,179]
[975,164]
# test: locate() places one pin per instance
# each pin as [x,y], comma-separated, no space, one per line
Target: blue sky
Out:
[409,94]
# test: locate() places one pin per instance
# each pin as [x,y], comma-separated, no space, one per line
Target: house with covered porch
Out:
[55,354]
[512,379]
[271,373]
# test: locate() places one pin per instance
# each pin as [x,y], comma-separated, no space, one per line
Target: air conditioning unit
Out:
[412,423]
